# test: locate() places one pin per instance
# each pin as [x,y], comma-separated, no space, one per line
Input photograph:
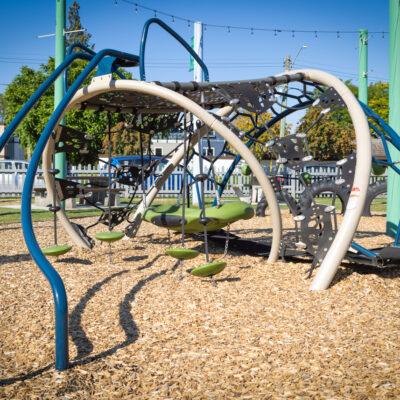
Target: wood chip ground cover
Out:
[137,330]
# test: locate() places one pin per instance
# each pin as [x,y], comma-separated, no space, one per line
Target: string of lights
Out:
[251,29]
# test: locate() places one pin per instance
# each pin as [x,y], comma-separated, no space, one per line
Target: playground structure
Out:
[196,108]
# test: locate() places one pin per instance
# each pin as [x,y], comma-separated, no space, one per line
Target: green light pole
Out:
[363,66]
[393,196]
[60,158]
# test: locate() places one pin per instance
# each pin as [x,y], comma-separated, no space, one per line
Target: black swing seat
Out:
[170,216]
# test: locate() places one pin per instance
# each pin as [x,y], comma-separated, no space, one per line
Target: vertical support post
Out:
[197,77]
[393,196]
[60,158]
[287,65]
[363,66]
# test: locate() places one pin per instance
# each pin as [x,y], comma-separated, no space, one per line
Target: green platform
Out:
[180,253]
[210,269]
[109,236]
[56,250]
[219,217]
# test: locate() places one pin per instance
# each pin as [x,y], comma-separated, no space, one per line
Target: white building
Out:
[13,150]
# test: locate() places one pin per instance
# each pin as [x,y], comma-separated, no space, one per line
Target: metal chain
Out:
[226,241]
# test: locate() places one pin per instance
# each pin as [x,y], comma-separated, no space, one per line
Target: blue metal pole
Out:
[175,35]
[36,96]
[54,279]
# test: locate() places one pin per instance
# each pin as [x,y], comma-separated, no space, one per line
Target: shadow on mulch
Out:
[74,260]
[150,263]
[79,337]
[344,273]
[228,279]
[135,258]
[15,258]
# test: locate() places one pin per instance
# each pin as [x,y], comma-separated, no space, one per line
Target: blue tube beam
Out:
[176,36]
[36,96]
[54,279]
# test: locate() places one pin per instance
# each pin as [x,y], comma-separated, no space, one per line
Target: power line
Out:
[315,32]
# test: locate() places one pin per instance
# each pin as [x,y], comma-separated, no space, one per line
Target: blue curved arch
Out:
[39,93]
[54,279]
[176,36]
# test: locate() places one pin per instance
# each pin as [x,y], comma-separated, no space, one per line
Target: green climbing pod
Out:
[210,269]
[56,250]
[378,169]
[180,253]
[307,178]
[245,169]
[109,236]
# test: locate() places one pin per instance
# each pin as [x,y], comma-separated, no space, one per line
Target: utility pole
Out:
[287,65]
[197,77]
[393,195]
[363,66]
[60,158]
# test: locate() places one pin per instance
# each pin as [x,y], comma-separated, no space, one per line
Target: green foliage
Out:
[125,141]
[378,99]
[333,137]
[2,108]
[25,84]
[74,24]
[245,124]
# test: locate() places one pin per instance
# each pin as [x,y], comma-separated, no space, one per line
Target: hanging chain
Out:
[228,228]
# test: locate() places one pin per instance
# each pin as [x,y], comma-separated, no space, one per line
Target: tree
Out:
[2,108]
[28,80]
[74,24]
[125,140]
[245,123]
[378,94]
[333,137]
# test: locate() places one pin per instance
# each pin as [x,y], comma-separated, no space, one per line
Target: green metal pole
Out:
[393,199]
[60,158]
[363,66]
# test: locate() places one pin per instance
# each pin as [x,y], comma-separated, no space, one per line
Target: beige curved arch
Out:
[105,84]
[355,206]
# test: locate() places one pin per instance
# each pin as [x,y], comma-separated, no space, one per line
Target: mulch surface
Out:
[142,328]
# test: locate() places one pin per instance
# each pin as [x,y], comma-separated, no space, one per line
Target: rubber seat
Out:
[210,269]
[109,236]
[165,215]
[180,253]
[56,250]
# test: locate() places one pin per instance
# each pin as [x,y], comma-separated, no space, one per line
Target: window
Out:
[158,151]
[208,151]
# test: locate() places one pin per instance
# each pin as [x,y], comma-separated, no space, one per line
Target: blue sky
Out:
[230,55]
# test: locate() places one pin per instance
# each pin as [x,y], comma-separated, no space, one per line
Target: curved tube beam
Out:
[355,206]
[102,86]
[38,93]
[172,164]
[250,143]
[175,35]
[55,281]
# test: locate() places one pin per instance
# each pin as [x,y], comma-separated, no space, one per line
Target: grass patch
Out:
[11,215]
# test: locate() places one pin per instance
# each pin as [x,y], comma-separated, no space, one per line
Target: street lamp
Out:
[304,46]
